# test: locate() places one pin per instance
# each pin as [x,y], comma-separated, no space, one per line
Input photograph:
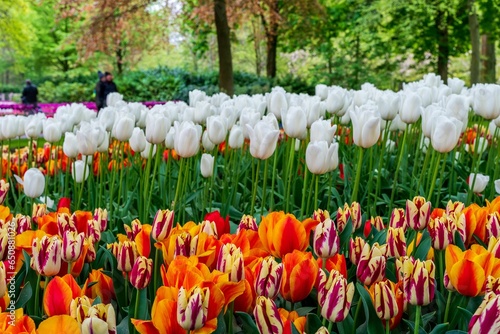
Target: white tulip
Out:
[236,138]
[456,85]
[138,140]
[429,116]
[52,131]
[323,130]
[187,139]
[157,127]
[388,105]
[263,139]
[34,182]
[248,116]
[277,102]
[365,126]
[123,127]
[86,140]
[321,91]
[202,112]
[216,129]
[104,146]
[486,101]
[107,117]
[411,108]
[445,133]
[294,122]
[480,183]
[321,157]
[70,145]
[207,165]
[147,148]
[9,126]
[78,168]
[169,140]
[33,128]
[497,186]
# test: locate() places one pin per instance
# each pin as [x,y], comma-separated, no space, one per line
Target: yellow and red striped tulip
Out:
[299,275]
[418,212]
[492,285]
[468,270]
[486,320]
[103,288]
[396,242]
[230,261]
[419,281]
[140,276]
[343,215]
[454,208]
[101,217]
[282,233]
[4,189]
[3,280]
[320,215]
[126,253]
[268,274]
[162,224]
[72,245]
[46,255]
[192,307]
[334,296]
[384,299]
[326,241]
[78,308]
[356,215]
[398,219]
[493,225]
[247,222]
[355,249]
[442,231]
[372,263]
[64,223]
[267,317]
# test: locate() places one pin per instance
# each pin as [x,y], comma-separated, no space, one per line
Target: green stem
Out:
[230,318]
[151,184]
[356,315]
[354,196]
[147,180]
[387,327]
[275,160]
[447,309]
[266,163]
[255,185]
[37,294]
[289,174]
[441,181]
[69,267]
[396,172]
[304,192]
[424,167]
[179,182]
[136,309]
[417,319]
[434,177]
[316,188]
[330,325]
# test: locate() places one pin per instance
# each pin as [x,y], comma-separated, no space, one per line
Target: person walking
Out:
[99,88]
[109,87]
[29,97]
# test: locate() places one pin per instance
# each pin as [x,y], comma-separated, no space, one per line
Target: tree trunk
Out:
[256,46]
[271,29]
[226,83]
[489,59]
[443,44]
[475,60]
[119,59]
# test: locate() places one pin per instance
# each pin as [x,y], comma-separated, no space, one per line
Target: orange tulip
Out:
[59,293]
[103,287]
[282,233]
[467,271]
[298,322]
[337,262]
[299,275]
[22,323]
[59,324]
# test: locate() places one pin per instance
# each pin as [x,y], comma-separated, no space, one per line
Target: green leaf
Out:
[24,296]
[122,328]
[221,324]
[440,329]
[346,234]
[142,305]
[246,323]
[373,323]
[423,247]
[303,311]
[313,323]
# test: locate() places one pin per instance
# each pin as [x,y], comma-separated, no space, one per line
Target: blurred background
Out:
[160,50]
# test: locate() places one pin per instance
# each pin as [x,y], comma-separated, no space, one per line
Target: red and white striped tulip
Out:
[268,275]
[326,241]
[192,307]
[334,296]
[372,263]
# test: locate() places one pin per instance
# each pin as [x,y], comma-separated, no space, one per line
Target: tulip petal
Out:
[57,298]
[59,324]
[467,277]
[302,279]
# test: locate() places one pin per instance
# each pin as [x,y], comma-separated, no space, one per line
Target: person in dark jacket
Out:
[99,88]
[109,87]
[29,96]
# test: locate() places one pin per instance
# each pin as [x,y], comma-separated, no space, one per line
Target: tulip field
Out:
[363,211]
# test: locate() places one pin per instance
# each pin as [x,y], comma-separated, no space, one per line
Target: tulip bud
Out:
[396,242]
[322,157]
[230,260]
[86,140]
[334,296]
[185,245]
[209,228]
[497,186]
[192,307]
[485,319]
[398,218]
[126,254]
[366,126]
[493,225]
[138,140]
[320,215]
[34,183]
[326,239]
[123,127]
[80,171]
[480,183]
[322,330]
[371,265]
[101,217]
[247,222]
[294,122]
[454,208]
[157,127]
[356,216]
[70,147]
[216,129]
[418,281]
[22,223]
[162,224]
[78,306]
[72,246]
[263,139]
[377,222]
[3,280]
[494,247]
[442,231]
[268,275]
[140,276]
[91,253]
[355,248]
[236,138]
[267,317]
[207,165]
[447,282]
[4,189]
[46,255]
[187,139]
[343,216]
[418,212]
[384,300]
[445,133]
